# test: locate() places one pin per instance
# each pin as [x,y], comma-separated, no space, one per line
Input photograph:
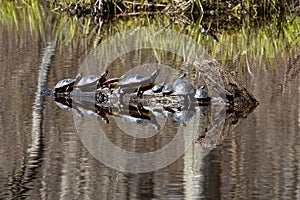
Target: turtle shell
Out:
[111,82]
[92,80]
[183,116]
[201,93]
[132,79]
[178,87]
[167,89]
[183,87]
[158,88]
[65,85]
[88,80]
[86,112]
[130,119]
[137,79]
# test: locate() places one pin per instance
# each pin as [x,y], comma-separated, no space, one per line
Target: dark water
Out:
[43,157]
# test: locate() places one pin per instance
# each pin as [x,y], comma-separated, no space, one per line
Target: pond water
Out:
[42,156]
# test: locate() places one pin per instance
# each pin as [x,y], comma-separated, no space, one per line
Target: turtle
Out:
[110,83]
[179,116]
[183,87]
[179,87]
[183,116]
[103,112]
[91,82]
[101,97]
[137,83]
[167,89]
[201,93]
[132,119]
[66,85]
[139,115]
[158,88]
[168,112]
[63,103]
[86,112]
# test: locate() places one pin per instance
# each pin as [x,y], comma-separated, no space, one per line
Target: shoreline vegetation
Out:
[232,31]
[103,8]
[268,19]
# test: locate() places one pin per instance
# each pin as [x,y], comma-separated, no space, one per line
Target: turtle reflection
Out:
[137,114]
[99,96]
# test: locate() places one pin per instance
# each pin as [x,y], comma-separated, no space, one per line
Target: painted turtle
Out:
[92,82]
[138,115]
[131,119]
[86,112]
[110,83]
[103,112]
[168,113]
[168,88]
[66,85]
[158,88]
[92,111]
[183,87]
[179,87]
[179,116]
[183,116]
[201,93]
[63,103]
[137,83]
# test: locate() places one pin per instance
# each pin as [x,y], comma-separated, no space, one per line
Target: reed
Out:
[255,37]
[18,14]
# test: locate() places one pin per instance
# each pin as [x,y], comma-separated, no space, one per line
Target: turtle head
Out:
[182,76]
[155,74]
[122,77]
[104,74]
[102,78]
[78,76]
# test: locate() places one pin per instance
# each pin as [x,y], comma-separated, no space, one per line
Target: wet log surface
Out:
[241,99]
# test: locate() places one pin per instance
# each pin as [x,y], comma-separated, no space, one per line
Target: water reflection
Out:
[257,157]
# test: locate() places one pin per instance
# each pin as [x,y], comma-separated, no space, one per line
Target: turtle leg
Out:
[119,94]
[69,88]
[155,124]
[139,108]
[104,118]
[142,88]
[112,85]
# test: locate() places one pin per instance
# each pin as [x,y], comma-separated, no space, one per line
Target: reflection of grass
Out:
[243,39]
[267,41]
[31,15]
[248,42]
[18,14]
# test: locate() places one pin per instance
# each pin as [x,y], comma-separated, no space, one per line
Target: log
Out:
[242,100]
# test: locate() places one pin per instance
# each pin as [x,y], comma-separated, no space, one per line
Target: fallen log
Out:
[242,100]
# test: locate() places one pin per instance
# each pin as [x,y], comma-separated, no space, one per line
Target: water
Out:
[257,159]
